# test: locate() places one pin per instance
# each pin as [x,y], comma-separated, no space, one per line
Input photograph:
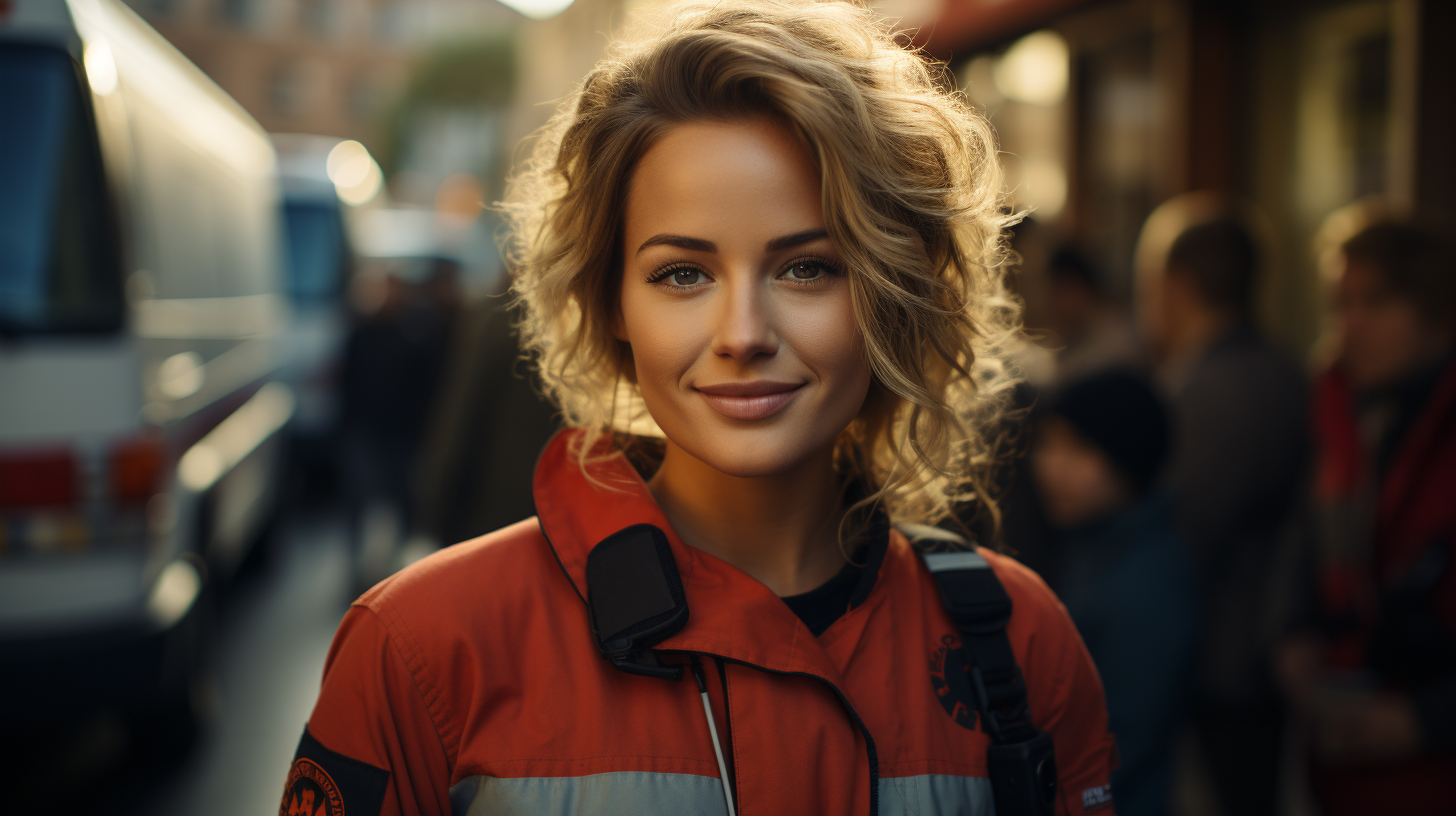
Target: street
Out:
[275,632]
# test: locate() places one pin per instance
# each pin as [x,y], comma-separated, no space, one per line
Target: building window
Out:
[238,13]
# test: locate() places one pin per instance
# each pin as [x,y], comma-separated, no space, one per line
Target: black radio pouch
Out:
[1020,760]
[636,599]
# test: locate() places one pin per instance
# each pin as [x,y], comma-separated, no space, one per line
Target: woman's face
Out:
[734,300]
[1384,338]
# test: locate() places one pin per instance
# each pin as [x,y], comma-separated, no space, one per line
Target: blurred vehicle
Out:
[320,266]
[141,314]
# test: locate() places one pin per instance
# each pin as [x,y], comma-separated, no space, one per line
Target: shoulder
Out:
[458,566]
[1040,631]
[1047,644]
[458,620]
[1063,688]
[1031,598]
[1249,359]
[463,591]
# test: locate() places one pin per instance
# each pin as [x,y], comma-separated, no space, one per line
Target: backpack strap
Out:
[980,609]
[1020,760]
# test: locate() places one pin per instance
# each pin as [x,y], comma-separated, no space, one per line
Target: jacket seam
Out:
[414,663]
[970,770]
[728,721]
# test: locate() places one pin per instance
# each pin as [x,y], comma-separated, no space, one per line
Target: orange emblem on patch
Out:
[310,791]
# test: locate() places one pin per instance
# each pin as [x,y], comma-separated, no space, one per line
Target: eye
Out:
[807,270]
[680,277]
[686,277]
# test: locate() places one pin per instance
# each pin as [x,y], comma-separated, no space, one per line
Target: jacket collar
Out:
[729,613]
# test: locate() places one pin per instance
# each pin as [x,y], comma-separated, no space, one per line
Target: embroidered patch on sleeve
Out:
[325,783]
[1097,798]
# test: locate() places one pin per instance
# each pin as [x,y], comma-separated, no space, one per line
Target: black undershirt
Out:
[822,606]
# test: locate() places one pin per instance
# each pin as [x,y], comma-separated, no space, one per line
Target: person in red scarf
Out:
[1377,684]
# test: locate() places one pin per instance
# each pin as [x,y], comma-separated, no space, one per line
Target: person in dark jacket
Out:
[1376,681]
[488,426]
[1239,455]
[1125,577]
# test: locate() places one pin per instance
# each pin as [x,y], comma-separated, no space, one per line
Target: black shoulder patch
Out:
[324,783]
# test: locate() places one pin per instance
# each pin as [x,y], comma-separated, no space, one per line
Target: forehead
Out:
[716,179]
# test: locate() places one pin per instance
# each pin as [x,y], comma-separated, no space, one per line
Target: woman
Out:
[1374,676]
[757,256]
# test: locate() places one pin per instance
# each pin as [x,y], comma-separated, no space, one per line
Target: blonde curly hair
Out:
[912,195]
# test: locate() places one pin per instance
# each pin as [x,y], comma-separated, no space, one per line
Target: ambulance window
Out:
[317,251]
[59,266]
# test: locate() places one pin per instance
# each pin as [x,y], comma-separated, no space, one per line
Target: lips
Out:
[758,399]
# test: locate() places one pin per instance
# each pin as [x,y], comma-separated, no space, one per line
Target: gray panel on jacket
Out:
[607,793]
[936,795]
[665,793]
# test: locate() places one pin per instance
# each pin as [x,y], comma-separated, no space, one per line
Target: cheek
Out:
[664,340]
[1056,472]
[1085,482]
[1078,477]
[827,338]
[1381,336]
[1044,467]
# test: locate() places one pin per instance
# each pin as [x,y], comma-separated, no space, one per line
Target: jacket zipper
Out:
[727,722]
[873,756]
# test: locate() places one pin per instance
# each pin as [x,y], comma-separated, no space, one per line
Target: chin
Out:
[748,453]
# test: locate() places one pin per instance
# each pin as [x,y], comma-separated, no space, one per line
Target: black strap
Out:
[980,608]
[1021,759]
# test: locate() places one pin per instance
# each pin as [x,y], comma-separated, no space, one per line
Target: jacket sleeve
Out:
[1085,749]
[371,747]
[1064,691]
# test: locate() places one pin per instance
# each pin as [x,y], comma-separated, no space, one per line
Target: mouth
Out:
[758,399]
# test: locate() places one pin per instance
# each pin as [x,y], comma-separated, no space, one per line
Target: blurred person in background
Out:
[1239,452]
[486,429]
[1376,681]
[1124,576]
[391,370]
[1096,335]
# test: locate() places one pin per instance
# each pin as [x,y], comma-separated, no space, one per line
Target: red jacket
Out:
[471,681]
[1377,527]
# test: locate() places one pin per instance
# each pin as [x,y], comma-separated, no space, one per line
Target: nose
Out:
[743,326]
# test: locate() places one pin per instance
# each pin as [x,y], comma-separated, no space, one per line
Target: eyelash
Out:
[830,267]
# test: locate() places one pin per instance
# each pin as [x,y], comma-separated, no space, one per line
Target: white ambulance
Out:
[140,311]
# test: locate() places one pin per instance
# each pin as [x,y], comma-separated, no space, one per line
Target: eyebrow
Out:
[699,245]
[796,239]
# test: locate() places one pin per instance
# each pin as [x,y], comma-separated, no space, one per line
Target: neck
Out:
[782,529]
